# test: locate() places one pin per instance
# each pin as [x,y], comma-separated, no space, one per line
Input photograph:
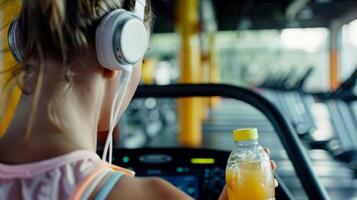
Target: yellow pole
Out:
[148,71]
[205,79]
[335,46]
[189,109]
[334,72]
[8,11]
[214,73]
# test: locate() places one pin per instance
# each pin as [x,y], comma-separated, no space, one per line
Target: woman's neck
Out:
[74,126]
[46,140]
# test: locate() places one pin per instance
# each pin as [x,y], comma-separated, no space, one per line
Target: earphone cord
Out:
[114,114]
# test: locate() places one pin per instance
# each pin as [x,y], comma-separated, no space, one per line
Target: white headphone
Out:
[121,38]
[121,41]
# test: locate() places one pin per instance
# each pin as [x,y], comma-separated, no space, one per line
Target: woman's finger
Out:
[276,183]
[267,150]
[273,165]
[223,195]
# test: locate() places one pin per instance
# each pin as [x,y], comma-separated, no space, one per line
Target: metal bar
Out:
[334,54]
[190,62]
[293,146]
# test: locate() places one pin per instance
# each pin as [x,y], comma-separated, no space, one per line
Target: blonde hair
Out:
[58,29]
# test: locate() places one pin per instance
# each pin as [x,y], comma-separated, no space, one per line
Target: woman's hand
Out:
[224,196]
[273,166]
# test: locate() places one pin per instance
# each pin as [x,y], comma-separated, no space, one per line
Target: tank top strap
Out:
[109,185]
[88,185]
[90,189]
[84,184]
[125,171]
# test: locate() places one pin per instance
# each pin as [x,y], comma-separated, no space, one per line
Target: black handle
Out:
[302,81]
[350,82]
[294,148]
[344,92]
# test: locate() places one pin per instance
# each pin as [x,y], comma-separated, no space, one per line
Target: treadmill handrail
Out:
[349,83]
[345,91]
[300,84]
[283,128]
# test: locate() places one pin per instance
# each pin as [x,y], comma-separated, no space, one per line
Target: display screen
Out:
[202,161]
[199,173]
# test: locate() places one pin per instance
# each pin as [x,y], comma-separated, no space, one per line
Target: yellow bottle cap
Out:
[245,134]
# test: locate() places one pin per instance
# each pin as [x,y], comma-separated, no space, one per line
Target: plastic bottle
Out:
[249,175]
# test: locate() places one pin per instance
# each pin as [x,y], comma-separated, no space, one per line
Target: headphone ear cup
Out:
[121,40]
[13,41]
[103,41]
[130,41]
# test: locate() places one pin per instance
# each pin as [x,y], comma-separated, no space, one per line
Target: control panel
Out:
[198,172]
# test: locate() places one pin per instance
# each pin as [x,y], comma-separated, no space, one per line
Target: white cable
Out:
[120,94]
[116,105]
[115,109]
[111,150]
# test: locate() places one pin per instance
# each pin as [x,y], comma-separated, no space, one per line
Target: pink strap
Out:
[33,169]
[86,182]
[120,169]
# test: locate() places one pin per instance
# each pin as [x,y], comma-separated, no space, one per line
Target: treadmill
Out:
[201,172]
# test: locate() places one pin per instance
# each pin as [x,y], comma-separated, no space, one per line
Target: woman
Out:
[48,151]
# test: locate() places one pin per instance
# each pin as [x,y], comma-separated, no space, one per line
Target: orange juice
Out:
[252,181]
[249,175]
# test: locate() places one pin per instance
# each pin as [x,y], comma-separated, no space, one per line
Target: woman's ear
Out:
[28,80]
[107,73]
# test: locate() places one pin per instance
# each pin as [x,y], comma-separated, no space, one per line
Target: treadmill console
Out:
[198,172]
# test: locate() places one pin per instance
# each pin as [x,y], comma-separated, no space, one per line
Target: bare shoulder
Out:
[145,188]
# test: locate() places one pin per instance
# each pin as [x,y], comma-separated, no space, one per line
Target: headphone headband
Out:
[14,41]
[121,38]
[140,8]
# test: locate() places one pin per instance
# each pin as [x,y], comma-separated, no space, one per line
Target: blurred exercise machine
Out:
[295,151]
[145,119]
[340,104]
[296,105]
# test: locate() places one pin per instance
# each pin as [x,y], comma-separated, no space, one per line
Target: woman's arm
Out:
[146,189]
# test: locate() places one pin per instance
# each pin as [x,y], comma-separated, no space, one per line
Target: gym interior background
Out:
[300,55]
